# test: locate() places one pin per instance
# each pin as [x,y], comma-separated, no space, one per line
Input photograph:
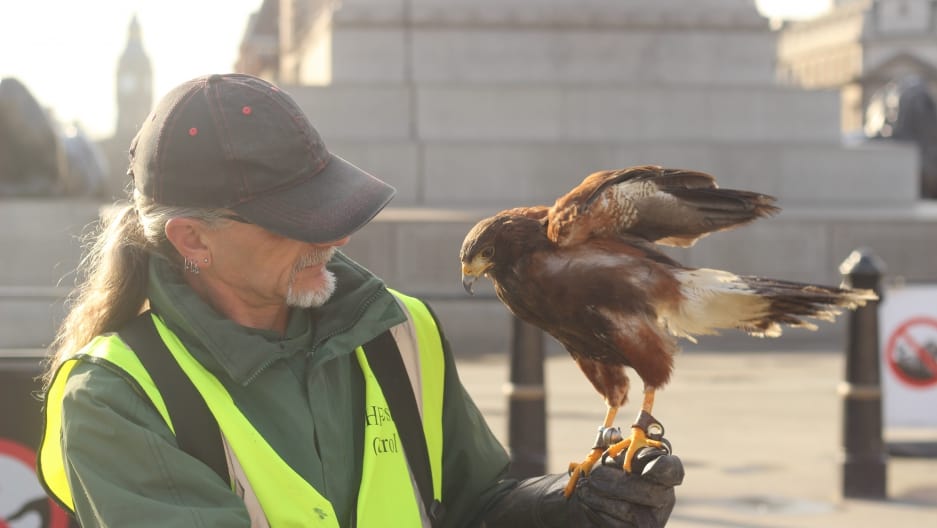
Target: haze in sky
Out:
[66,51]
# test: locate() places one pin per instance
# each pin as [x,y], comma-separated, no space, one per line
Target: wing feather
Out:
[668,206]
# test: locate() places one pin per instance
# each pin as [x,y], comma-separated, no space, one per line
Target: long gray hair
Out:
[112,275]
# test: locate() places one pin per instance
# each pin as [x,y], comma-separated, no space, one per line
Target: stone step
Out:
[587,112]
[506,174]
[556,41]
[545,56]
[41,239]
[418,249]
[560,13]
[30,316]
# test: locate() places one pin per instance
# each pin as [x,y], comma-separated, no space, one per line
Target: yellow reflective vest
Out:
[275,495]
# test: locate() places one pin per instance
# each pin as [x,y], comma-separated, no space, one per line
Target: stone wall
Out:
[40,247]
[468,107]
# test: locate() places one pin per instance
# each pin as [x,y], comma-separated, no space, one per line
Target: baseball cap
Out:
[239,142]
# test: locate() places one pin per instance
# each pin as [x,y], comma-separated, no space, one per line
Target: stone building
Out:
[470,106]
[134,89]
[134,84]
[259,53]
[858,47]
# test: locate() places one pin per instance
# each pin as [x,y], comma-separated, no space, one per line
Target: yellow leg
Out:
[584,467]
[638,438]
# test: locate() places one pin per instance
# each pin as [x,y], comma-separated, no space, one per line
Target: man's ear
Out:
[185,234]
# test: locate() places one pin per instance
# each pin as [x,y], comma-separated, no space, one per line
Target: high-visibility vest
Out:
[275,495]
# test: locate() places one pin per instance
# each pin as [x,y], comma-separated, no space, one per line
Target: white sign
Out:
[23,503]
[908,351]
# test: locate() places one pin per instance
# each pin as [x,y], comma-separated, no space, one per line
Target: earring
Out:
[190,265]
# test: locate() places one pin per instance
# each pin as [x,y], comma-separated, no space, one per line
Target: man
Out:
[228,249]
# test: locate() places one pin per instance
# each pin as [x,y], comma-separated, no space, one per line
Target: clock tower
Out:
[134,85]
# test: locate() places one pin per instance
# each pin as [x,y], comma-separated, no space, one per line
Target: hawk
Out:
[587,270]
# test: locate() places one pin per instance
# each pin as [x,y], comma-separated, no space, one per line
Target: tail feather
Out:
[790,302]
[715,300]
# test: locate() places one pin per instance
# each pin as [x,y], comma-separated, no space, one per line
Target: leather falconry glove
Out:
[608,497]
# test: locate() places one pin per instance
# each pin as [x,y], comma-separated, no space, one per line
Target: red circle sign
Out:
[911,352]
[21,496]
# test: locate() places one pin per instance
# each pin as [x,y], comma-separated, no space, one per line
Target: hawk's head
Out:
[495,243]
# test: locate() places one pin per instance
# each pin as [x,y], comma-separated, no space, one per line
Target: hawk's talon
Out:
[637,464]
[583,468]
[638,440]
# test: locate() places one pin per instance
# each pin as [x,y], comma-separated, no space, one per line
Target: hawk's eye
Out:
[488,252]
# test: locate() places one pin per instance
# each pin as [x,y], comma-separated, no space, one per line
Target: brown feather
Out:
[667,206]
[586,271]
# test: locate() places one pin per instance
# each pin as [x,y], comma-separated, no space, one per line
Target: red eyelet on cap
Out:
[246,110]
[193,131]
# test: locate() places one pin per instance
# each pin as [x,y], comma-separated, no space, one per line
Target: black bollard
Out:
[527,421]
[864,458]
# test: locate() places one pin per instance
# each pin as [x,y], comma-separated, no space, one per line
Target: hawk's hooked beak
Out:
[469,276]
[468,281]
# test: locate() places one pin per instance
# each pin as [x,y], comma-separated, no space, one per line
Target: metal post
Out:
[527,422]
[864,458]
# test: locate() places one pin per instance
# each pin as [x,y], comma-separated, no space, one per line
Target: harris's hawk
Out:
[587,271]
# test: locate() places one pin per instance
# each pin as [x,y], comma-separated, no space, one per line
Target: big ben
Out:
[134,85]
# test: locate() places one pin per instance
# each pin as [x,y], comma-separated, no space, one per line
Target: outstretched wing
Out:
[668,206]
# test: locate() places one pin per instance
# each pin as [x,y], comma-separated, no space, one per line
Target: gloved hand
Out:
[608,497]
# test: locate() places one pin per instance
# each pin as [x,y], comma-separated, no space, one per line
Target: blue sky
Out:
[66,51]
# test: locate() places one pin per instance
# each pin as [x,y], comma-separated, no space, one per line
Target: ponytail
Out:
[112,285]
[113,275]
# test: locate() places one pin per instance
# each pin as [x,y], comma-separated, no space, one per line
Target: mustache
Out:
[314,258]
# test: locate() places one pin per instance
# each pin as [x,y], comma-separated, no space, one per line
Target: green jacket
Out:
[303,392]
